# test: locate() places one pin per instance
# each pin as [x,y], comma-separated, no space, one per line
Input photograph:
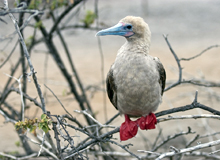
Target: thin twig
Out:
[18,158]
[188,107]
[194,148]
[21,94]
[7,119]
[26,96]
[178,63]
[193,57]
[8,57]
[77,26]
[188,117]
[202,154]
[102,61]
[42,143]
[45,149]
[52,50]
[62,15]
[172,137]
[208,135]
[158,136]
[97,122]
[192,141]
[124,147]
[29,62]
[58,100]
[68,54]
[57,140]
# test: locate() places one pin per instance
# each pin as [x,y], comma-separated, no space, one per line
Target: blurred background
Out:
[191,26]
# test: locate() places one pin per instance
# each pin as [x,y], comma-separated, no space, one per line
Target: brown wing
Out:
[111,88]
[162,74]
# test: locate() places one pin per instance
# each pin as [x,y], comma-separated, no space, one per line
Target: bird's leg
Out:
[128,129]
[147,122]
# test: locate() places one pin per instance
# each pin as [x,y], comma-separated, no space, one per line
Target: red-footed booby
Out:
[136,80]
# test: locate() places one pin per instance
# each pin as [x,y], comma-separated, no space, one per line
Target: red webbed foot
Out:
[147,122]
[128,129]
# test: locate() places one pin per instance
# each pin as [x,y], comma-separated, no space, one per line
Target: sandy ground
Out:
[191,25]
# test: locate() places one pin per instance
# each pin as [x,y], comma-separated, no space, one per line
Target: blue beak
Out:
[119,29]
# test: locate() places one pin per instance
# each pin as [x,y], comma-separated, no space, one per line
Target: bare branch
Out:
[77,26]
[97,122]
[188,117]
[178,63]
[18,158]
[194,105]
[193,140]
[203,83]
[202,154]
[13,49]
[26,96]
[194,148]
[58,100]
[66,11]
[7,119]
[45,149]
[172,137]
[29,62]
[21,93]
[208,48]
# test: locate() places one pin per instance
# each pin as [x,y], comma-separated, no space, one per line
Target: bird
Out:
[136,80]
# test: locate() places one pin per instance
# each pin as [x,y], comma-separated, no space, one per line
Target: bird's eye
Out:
[129,27]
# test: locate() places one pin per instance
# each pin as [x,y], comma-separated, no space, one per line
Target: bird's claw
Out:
[129,128]
[147,122]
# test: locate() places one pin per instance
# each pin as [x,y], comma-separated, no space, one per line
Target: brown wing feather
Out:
[162,74]
[111,88]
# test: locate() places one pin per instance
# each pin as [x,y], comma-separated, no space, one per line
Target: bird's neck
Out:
[139,45]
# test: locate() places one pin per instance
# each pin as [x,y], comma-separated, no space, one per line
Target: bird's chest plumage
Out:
[136,79]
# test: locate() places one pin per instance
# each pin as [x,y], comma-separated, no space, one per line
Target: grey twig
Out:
[182,81]
[188,117]
[13,49]
[62,15]
[32,71]
[58,100]
[93,119]
[29,62]
[18,158]
[193,105]
[194,148]
[84,97]
[208,135]
[158,136]
[202,154]
[172,137]
[26,96]
[7,119]
[124,147]
[203,83]
[57,140]
[77,26]
[192,141]
[178,63]
[208,48]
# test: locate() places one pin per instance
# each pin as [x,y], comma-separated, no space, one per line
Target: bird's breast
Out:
[136,79]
